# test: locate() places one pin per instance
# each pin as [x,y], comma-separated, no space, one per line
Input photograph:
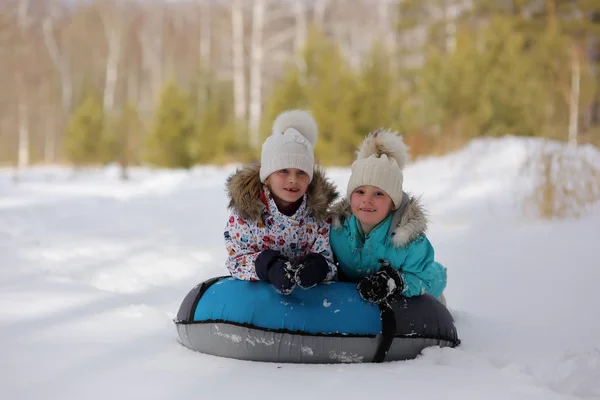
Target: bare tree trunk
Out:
[301,26]
[205,32]
[61,64]
[50,147]
[387,20]
[205,51]
[551,15]
[348,31]
[319,13]
[151,38]
[256,75]
[450,12]
[114,25]
[593,59]
[126,145]
[133,87]
[574,98]
[382,16]
[23,155]
[22,108]
[113,38]
[301,34]
[300,38]
[239,76]
[354,48]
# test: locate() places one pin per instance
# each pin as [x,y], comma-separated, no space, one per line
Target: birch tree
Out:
[349,29]
[205,47]
[239,74]
[60,59]
[151,39]
[205,31]
[296,33]
[301,34]
[320,7]
[387,18]
[114,20]
[23,23]
[574,97]
[256,75]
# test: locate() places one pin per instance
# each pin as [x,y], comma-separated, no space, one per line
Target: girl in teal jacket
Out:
[378,235]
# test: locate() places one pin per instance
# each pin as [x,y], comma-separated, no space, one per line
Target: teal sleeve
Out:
[421,274]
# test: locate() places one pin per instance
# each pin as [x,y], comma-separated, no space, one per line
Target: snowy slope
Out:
[93,270]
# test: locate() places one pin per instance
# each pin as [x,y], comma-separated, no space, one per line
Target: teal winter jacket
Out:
[400,239]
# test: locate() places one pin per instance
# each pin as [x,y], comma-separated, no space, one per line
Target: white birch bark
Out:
[22,107]
[205,32]
[256,73]
[114,25]
[574,99]
[151,39]
[61,63]
[239,76]
[450,14]
[319,12]
[301,27]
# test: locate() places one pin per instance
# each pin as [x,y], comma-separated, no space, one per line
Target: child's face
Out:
[370,205]
[287,185]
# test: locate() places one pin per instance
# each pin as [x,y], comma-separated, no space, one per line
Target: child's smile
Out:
[287,185]
[370,205]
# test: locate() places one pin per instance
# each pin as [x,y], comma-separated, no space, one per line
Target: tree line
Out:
[174,84]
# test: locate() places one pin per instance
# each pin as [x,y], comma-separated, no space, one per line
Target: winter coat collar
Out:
[379,234]
[244,188]
[408,222]
[267,199]
[272,208]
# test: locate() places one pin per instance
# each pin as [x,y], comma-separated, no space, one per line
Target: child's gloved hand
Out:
[311,270]
[281,276]
[274,268]
[378,287]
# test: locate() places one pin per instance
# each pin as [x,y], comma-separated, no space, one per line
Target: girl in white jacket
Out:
[278,229]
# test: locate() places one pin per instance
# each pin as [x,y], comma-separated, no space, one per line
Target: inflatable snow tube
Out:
[329,323]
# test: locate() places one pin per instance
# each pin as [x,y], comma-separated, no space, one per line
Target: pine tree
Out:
[327,88]
[168,144]
[217,138]
[495,83]
[379,98]
[84,142]
[513,94]
[560,34]
[124,136]
[287,94]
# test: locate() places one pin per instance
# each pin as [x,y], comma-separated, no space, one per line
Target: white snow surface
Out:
[94,269]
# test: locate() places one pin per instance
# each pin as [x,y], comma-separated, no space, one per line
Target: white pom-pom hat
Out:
[291,144]
[380,161]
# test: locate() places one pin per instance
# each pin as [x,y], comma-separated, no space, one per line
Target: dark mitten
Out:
[274,268]
[378,287]
[264,261]
[281,276]
[311,269]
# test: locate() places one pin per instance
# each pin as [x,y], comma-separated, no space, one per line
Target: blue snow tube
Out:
[329,323]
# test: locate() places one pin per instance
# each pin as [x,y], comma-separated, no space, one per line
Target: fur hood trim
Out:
[244,189]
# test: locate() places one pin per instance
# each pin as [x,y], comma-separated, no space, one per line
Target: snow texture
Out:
[94,270]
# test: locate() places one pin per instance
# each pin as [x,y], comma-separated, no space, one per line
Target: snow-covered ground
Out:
[94,269]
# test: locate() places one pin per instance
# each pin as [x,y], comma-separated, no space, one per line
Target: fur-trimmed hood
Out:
[408,223]
[244,189]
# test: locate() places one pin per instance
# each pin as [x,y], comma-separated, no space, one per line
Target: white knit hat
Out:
[290,145]
[380,161]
